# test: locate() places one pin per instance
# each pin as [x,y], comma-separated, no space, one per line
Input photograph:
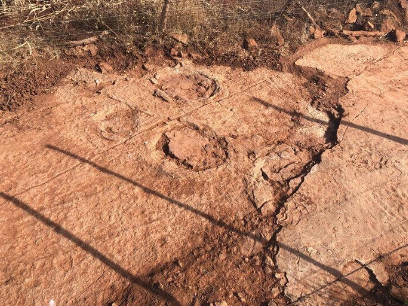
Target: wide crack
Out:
[325,93]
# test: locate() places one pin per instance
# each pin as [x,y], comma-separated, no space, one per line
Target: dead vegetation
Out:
[215,27]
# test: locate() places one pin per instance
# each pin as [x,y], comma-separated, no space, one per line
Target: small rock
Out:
[222,256]
[147,67]
[174,53]
[400,293]
[154,81]
[272,303]
[275,292]
[352,16]
[387,25]
[222,303]
[276,33]
[366,12]
[183,38]
[162,94]
[369,26]
[376,6]
[91,49]
[241,297]
[268,270]
[103,67]
[281,277]
[269,261]
[256,261]
[403,4]
[399,35]
[318,33]
[269,208]
[386,12]
[158,285]
[250,44]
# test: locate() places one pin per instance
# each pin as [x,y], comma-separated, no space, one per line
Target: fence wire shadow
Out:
[390,137]
[91,250]
[339,277]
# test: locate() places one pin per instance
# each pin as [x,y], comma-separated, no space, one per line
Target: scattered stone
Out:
[250,247]
[269,261]
[256,261]
[276,33]
[162,95]
[158,285]
[183,38]
[222,256]
[147,67]
[275,292]
[366,12]
[174,53]
[389,13]
[268,270]
[154,81]
[376,6]
[369,26]
[399,35]
[91,49]
[82,51]
[241,297]
[222,303]
[281,277]
[272,303]
[400,293]
[269,208]
[83,42]
[352,16]
[318,33]
[388,25]
[103,67]
[250,44]
[364,33]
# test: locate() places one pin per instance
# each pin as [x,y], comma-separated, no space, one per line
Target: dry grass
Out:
[29,27]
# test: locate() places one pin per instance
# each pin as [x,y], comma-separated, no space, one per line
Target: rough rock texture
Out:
[103,182]
[350,215]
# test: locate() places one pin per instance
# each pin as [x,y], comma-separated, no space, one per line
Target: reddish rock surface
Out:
[110,194]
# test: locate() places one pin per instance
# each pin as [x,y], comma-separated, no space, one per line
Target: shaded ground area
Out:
[192,185]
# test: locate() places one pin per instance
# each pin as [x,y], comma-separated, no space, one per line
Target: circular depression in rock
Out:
[195,149]
[111,123]
[190,86]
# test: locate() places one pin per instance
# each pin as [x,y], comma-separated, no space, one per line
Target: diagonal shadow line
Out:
[91,250]
[204,215]
[346,123]
[336,273]
[339,276]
